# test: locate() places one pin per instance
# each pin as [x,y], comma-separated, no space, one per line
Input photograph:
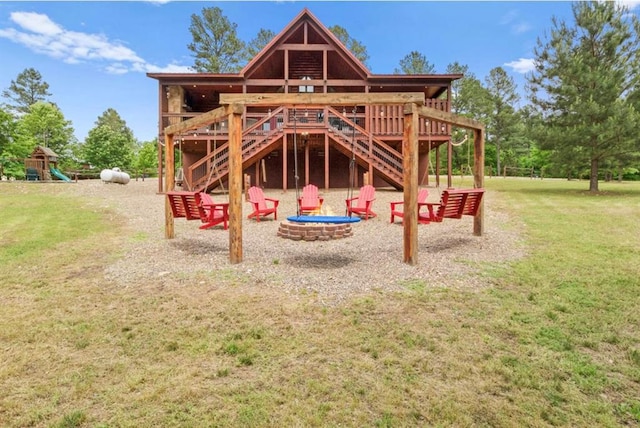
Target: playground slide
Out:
[58,174]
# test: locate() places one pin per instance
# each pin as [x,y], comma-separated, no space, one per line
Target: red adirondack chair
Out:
[362,204]
[310,201]
[396,212]
[190,205]
[259,202]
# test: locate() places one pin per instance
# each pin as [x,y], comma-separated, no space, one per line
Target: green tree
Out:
[357,49]
[146,159]
[583,75]
[7,135]
[26,90]
[44,125]
[215,46]
[111,119]
[503,119]
[261,40]
[7,130]
[110,143]
[470,99]
[415,63]
[106,148]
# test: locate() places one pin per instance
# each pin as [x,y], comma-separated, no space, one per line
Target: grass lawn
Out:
[554,341]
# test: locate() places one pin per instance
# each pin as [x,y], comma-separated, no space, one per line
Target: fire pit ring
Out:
[318,231]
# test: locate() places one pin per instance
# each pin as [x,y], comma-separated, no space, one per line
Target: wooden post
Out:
[160,169]
[247,184]
[478,178]
[449,164]
[169,184]
[306,163]
[285,143]
[326,160]
[410,181]
[437,167]
[235,184]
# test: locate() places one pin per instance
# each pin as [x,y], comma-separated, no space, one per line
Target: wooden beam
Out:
[335,99]
[478,178]
[169,184]
[450,118]
[410,179]
[204,119]
[235,187]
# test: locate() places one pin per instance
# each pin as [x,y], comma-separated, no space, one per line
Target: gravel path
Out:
[369,261]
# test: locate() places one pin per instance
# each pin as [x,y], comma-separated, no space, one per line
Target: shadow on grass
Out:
[324,261]
[445,244]
[199,248]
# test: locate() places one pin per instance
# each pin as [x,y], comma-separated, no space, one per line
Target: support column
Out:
[235,184]
[410,181]
[478,177]
[285,143]
[175,99]
[169,184]
[449,164]
[306,163]
[437,167]
[326,161]
[160,172]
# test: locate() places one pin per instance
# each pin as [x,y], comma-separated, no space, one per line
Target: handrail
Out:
[377,150]
[202,169]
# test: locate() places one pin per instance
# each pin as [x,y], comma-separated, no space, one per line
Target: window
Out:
[305,88]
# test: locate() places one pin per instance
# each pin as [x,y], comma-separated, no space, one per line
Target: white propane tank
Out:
[114,176]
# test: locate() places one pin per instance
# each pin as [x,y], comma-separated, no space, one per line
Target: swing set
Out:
[347,218]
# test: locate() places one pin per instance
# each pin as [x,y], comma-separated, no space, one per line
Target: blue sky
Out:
[95,55]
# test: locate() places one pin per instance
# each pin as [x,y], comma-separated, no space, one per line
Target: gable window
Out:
[308,88]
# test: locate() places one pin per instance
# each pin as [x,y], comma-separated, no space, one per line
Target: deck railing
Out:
[381,120]
[349,129]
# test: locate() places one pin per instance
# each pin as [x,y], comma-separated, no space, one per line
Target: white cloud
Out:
[521,27]
[36,22]
[171,68]
[40,34]
[517,26]
[508,17]
[522,65]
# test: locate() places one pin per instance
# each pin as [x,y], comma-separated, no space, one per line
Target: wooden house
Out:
[305,57]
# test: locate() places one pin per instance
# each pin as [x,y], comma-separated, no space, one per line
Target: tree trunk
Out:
[593,182]
[498,156]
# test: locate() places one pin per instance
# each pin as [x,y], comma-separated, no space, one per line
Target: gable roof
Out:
[320,31]
[45,151]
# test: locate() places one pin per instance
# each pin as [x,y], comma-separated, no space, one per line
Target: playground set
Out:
[43,166]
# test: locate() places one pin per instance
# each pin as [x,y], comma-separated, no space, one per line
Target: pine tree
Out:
[26,90]
[502,120]
[357,49]
[581,84]
[415,63]
[216,46]
[261,40]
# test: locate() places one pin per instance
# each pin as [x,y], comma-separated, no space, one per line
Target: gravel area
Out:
[368,262]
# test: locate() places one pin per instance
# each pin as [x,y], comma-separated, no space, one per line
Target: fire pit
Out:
[314,231]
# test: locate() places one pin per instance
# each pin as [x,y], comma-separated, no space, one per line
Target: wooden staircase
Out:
[349,138]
